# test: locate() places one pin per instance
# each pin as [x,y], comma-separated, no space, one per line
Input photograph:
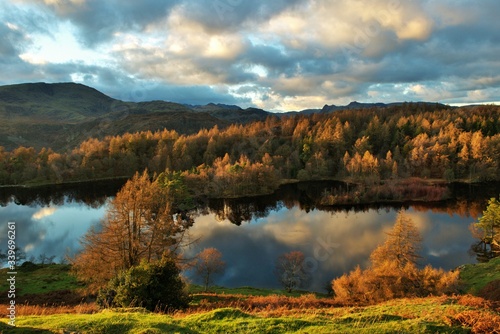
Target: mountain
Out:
[232,113]
[62,115]
[357,105]
[62,102]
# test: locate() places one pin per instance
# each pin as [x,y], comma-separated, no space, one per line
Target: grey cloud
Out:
[16,26]
[28,19]
[98,21]
[227,15]
[229,72]
[460,53]
[292,63]
[121,86]
[9,42]
[268,56]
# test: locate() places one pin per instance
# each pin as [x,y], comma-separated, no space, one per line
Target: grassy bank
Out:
[428,315]
[38,279]
[477,277]
[252,310]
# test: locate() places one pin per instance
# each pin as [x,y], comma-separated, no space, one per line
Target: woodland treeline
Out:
[369,145]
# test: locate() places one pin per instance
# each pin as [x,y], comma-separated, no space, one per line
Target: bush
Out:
[153,286]
[393,272]
[388,280]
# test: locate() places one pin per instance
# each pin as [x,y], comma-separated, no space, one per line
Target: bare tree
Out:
[290,270]
[209,263]
[43,259]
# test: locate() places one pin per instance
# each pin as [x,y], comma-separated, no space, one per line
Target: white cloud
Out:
[288,54]
[44,212]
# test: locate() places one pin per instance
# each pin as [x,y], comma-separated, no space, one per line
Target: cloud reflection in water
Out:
[333,243]
[50,230]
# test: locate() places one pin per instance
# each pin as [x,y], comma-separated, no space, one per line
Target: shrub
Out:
[393,272]
[155,286]
[388,280]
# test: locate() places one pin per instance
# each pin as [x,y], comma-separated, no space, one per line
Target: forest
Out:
[365,146]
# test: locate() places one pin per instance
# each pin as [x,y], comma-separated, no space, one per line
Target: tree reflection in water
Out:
[252,232]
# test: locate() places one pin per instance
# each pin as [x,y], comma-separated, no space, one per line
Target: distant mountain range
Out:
[62,115]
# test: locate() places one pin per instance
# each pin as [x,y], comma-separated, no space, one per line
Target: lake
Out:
[252,232]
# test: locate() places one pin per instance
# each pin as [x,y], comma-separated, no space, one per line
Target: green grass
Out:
[429,315]
[476,276]
[418,315]
[37,279]
[249,291]
[216,294]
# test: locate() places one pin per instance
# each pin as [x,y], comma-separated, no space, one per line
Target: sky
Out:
[276,55]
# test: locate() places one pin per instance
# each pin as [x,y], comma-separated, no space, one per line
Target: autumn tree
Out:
[393,272]
[402,245]
[139,225]
[461,143]
[290,270]
[487,230]
[208,264]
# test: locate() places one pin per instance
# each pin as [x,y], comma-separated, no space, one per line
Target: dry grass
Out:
[27,309]
[475,302]
[479,321]
[273,304]
[445,312]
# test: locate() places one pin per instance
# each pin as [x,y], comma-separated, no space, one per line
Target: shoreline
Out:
[281,182]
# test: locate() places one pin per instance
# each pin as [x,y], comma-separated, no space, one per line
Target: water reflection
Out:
[93,194]
[333,242]
[54,229]
[251,233]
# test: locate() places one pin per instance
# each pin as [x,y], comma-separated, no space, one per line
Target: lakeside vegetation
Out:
[386,155]
[406,299]
[250,310]
[363,146]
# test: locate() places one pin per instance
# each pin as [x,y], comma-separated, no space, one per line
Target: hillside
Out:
[59,102]
[62,115]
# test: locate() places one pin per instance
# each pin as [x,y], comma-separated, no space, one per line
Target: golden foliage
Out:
[393,272]
[139,226]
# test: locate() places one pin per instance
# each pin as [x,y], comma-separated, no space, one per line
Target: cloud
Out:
[44,212]
[9,37]
[98,21]
[278,55]
[228,15]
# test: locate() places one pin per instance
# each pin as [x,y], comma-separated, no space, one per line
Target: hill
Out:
[69,102]
[62,115]
[357,105]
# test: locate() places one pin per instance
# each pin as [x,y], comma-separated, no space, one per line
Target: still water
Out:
[251,233]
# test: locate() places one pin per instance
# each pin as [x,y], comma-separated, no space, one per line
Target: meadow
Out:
[252,310]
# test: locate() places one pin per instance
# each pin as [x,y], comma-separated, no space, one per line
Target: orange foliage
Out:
[423,141]
[479,322]
[393,273]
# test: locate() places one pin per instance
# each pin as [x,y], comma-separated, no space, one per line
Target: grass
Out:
[477,276]
[253,310]
[248,291]
[426,315]
[38,279]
